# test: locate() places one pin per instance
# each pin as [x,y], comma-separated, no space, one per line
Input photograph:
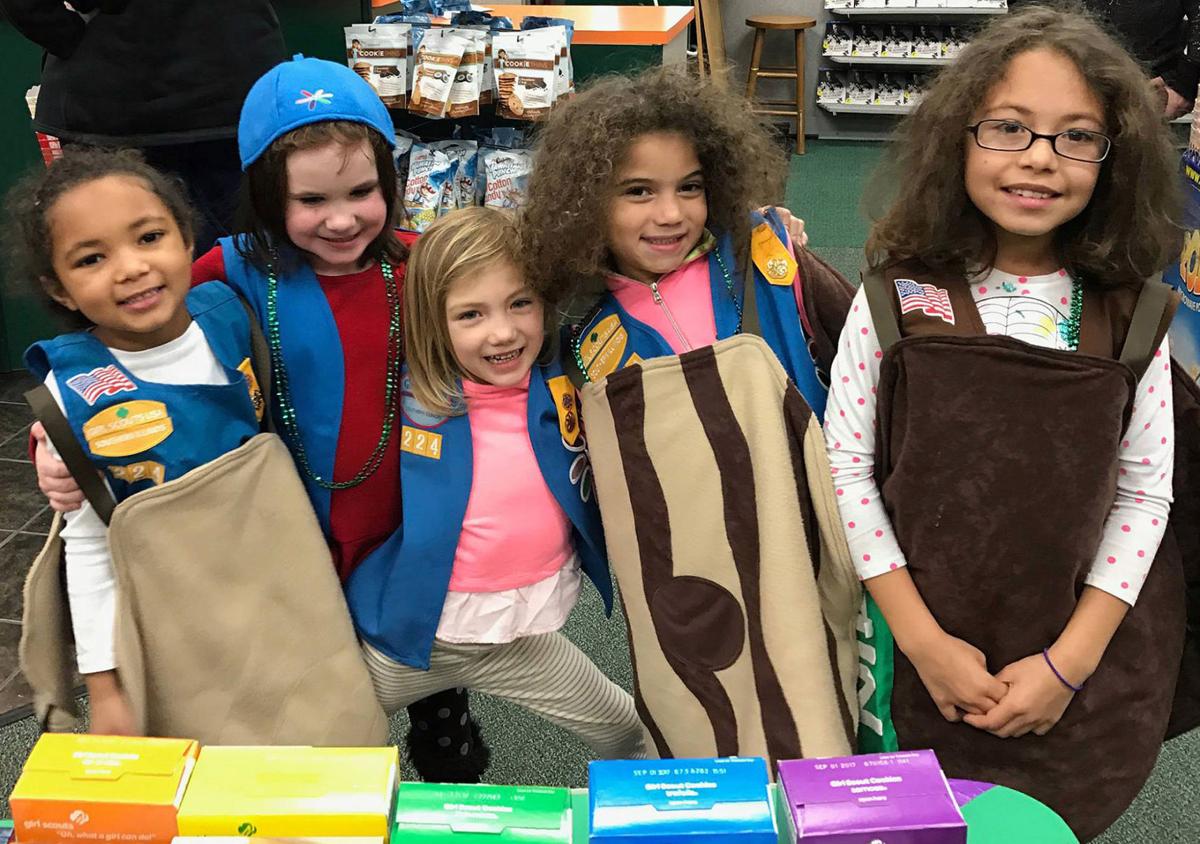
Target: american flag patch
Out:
[102,381]
[929,300]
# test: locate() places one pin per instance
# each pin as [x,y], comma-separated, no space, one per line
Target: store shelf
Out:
[962,12]
[888,60]
[853,108]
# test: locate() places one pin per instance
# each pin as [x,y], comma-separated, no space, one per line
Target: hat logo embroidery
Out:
[313,97]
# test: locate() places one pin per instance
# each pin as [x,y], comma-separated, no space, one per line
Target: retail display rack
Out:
[877,54]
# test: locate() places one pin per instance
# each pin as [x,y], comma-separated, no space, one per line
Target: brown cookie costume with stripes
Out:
[970,509]
[723,533]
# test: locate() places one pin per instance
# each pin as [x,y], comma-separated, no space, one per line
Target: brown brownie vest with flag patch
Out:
[997,462]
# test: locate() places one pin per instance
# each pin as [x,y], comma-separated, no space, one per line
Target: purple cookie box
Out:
[883,798]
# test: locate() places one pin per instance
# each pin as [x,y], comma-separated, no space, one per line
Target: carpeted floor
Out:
[824,189]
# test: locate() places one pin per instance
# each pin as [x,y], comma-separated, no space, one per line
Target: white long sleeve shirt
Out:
[1032,309]
[91,585]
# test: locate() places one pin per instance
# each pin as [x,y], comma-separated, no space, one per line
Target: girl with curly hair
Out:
[1000,423]
[703,410]
[666,174]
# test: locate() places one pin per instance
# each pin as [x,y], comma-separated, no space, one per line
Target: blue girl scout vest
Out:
[396,599]
[142,433]
[312,354]
[612,339]
[397,592]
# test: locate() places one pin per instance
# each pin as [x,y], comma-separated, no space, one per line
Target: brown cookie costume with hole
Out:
[723,533]
[997,462]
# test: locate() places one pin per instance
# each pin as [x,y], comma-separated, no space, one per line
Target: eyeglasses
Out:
[1011,136]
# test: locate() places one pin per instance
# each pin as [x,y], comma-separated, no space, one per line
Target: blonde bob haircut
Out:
[459,244]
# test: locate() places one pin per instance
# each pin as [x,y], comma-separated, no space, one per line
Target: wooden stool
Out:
[797,26]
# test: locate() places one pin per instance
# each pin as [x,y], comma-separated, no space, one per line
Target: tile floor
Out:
[24,520]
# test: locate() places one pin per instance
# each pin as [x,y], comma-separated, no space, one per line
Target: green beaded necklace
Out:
[577,342]
[1070,329]
[287,411]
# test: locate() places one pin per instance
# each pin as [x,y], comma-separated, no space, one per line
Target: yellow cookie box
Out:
[289,792]
[101,789]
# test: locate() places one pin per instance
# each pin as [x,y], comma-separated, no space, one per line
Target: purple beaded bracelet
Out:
[1061,678]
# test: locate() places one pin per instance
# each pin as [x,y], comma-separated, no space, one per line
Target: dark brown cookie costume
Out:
[997,462]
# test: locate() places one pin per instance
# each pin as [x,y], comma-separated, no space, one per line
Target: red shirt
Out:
[361,517]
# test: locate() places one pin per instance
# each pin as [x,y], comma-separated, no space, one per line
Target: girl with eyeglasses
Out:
[1000,425]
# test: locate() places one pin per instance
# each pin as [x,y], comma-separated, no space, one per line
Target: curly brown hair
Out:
[582,144]
[1128,231]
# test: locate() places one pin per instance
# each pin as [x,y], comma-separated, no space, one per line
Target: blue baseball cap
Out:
[302,91]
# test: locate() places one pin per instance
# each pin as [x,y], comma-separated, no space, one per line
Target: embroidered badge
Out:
[143,470]
[580,473]
[256,396]
[311,98]
[567,405]
[422,443]
[102,381]
[634,359]
[929,300]
[771,255]
[414,410]
[128,428]
[603,346]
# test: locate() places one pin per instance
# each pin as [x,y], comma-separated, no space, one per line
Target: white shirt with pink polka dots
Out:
[1032,309]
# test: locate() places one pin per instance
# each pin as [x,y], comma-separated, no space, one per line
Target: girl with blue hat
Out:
[321,263]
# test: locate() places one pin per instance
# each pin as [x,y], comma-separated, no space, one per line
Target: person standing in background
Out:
[167,77]
[1164,35]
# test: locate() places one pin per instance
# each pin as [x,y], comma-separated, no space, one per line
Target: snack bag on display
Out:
[566,70]
[400,155]
[839,39]
[379,54]
[437,61]
[525,67]
[448,204]
[468,80]
[506,172]
[429,174]
[415,37]
[466,153]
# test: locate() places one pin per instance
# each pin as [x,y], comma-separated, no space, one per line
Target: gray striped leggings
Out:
[546,674]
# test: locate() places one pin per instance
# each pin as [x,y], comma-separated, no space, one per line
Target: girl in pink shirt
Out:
[499,520]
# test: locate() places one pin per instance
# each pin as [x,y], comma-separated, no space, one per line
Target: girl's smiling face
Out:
[496,324]
[658,213]
[120,258]
[1029,194]
[334,207]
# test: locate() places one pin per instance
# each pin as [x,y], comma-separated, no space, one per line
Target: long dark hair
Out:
[1130,228]
[263,201]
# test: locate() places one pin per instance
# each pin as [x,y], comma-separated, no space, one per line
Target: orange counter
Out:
[655,26]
